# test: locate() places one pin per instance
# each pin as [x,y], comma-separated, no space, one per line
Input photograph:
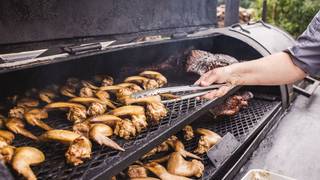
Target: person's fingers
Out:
[210,95]
[217,93]
[207,79]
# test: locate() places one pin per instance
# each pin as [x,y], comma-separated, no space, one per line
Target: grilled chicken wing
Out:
[79,149]
[68,91]
[207,140]
[88,100]
[125,129]
[96,109]
[162,173]
[63,136]
[155,110]
[16,112]
[163,147]
[188,133]
[6,153]
[17,126]
[28,102]
[137,171]
[100,133]
[145,82]
[86,92]
[47,95]
[107,119]
[136,113]
[160,79]
[179,166]
[105,80]
[7,136]
[23,158]
[132,86]
[77,112]
[82,128]
[102,95]
[34,117]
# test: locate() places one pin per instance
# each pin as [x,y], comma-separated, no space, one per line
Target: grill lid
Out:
[56,21]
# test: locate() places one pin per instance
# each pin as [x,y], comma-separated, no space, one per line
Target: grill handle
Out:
[312,88]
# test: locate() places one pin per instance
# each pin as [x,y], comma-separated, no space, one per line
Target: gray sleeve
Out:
[306,52]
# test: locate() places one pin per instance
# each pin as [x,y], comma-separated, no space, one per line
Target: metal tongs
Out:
[194,92]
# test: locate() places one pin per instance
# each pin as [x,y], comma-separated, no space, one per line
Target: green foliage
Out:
[291,15]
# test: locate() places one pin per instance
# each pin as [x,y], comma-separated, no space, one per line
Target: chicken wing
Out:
[16,112]
[137,171]
[125,129]
[34,117]
[160,79]
[17,126]
[77,112]
[188,133]
[23,158]
[86,92]
[179,166]
[163,147]
[207,140]
[100,133]
[68,91]
[27,102]
[79,150]
[105,80]
[146,83]
[162,173]
[6,153]
[102,95]
[47,95]
[107,119]
[7,136]
[59,135]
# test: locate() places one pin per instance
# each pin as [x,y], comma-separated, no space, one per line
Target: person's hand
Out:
[218,75]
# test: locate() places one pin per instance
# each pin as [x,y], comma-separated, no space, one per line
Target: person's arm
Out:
[270,70]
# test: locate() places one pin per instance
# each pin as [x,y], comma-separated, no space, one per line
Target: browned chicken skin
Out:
[68,91]
[47,95]
[6,153]
[27,102]
[162,173]
[23,158]
[179,166]
[160,79]
[34,117]
[107,119]
[79,150]
[16,112]
[63,136]
[137,171]
[86,92]
[77,112]
[125,129]
[105,80]
[96,109]
[155,110]
[17,126]
[146,83]
[100,133]
[207,140]
[7,136]
[188,133]
[136,113]
[102,95]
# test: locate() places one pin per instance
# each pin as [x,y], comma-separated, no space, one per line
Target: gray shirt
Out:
[306,52]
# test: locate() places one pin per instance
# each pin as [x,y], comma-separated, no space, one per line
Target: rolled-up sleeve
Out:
[306,52]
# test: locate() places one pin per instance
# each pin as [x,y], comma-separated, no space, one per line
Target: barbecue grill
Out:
[184,25]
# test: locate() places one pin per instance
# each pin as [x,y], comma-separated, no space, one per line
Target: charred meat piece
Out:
[59,135]
[137,171]
[100,134]
[34,117]
[207,140]
[233,105]
[160,79]
[155,110]
[162,173]
[17,126]
[177,165]
[23,158]
[96,106]
[200,62]
[188,133]
[146,83]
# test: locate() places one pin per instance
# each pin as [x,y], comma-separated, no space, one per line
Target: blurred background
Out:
[290,15]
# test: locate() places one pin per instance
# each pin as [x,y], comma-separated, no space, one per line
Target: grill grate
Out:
[240,125]
[55,166]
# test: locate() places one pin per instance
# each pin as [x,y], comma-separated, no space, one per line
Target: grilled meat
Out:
[200,62]
[136,113]
[47,95]
[102,95]
[107,119]
[63,136]
[79,150]
[162,173]
[27,102]
[86,92]
[96,109]
[23,158]
[188,133]
[34,116]
[160,79]
[100,133]
[68,91]
[17,126]
[146,83]
[6,136]
[137,171]
[77,115]
[163,147]
[233,105]
[105,80]
[179,166]
[16,112]
[81,128]
[6,153]
[125,129]
[155,110]
[207,140]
